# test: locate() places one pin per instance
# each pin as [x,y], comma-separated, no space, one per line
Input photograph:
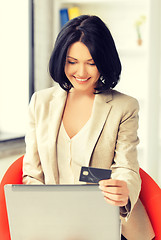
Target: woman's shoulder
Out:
[47,94]
[123,98]
[123,102]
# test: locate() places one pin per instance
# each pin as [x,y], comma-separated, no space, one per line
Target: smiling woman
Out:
[82,121]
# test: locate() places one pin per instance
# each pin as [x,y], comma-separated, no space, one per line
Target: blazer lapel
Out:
[100,113]
[55,117]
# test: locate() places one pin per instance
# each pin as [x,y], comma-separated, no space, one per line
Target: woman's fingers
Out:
[115,191]
[116,200]
[116,203]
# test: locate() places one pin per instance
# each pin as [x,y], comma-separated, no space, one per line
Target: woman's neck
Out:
[81,94]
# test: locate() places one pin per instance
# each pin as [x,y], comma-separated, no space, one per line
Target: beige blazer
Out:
[111,143]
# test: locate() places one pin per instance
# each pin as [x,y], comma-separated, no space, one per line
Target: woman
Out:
[83,121]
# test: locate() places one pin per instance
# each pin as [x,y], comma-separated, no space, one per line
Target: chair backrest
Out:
[13,175]
[150,196]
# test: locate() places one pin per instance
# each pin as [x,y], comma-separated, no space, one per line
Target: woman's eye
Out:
[70,62]
[92,64]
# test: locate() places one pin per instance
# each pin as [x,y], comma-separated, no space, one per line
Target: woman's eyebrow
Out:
[91,59]
[72,57]
[77,59]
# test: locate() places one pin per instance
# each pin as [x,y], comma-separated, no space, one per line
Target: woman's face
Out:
[80,68]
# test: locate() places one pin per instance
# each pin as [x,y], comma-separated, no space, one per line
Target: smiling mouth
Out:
[81,79]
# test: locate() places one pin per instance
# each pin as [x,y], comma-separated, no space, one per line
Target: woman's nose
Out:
[81,71]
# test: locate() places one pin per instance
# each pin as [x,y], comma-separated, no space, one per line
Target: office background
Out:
[28,31]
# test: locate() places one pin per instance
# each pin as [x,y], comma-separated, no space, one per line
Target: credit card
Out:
[94,175]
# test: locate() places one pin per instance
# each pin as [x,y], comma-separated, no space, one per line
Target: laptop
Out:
[60,212]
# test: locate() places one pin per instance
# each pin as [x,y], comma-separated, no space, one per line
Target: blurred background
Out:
[28,30]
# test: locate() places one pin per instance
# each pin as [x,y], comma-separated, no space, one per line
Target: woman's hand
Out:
[115,191]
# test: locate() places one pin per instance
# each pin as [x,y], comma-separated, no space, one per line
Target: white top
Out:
[70,154]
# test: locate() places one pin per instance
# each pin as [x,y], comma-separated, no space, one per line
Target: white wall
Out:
[14,75]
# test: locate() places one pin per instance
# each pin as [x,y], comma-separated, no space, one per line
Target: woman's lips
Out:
[81,80]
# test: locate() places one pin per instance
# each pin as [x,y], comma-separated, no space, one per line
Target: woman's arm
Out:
[32,169]
[124,187]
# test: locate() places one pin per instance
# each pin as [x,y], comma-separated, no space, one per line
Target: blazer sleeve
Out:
[125,164]
[32,169]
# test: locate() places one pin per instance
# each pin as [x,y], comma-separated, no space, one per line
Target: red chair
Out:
[150,196]
[13,175]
